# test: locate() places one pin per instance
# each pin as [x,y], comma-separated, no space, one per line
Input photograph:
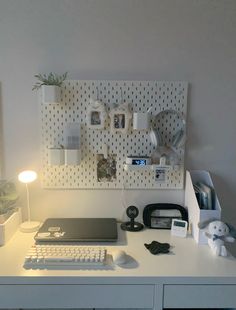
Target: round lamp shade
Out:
[27,176]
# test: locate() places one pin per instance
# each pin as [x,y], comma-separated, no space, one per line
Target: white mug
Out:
[141,121]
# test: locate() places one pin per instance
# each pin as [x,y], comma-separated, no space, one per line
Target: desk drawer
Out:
[199,296]
[76,296]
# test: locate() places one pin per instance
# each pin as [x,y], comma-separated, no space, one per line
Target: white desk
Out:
[188,277]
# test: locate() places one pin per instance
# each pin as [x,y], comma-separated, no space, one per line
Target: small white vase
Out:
[56,156]
[72,156]
[141,121]
[51,94]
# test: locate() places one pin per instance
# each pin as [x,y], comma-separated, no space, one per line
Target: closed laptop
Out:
[78,229]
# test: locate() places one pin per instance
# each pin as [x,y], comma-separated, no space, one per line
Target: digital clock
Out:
[138,161]
[179,228]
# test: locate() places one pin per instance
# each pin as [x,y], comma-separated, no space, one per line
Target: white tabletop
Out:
[187,261]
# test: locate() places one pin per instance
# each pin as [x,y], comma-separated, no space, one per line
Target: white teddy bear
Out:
[217,233]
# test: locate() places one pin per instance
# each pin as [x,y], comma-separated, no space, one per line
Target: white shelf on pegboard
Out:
[129,167]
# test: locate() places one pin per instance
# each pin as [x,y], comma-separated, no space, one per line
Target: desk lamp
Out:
[26,177]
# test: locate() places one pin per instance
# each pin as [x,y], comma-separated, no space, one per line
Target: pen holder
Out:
[72,156]
[56,156]
[141,121]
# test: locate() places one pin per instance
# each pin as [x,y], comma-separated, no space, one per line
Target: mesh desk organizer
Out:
[73,108]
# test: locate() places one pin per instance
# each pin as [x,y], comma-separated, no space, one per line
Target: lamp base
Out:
[29,226]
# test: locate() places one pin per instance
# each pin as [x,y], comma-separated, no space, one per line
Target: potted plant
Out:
[10,216]
[8,197]
[50,85]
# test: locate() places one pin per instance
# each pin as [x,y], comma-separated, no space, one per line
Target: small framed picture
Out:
[95,118]
[96,114]
[119,121]
[120,118]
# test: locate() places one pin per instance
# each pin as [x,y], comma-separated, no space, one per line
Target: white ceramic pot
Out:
[141,121]
[51,94]
[56,156]
[72,156]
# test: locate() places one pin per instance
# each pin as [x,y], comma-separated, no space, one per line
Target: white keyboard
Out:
[65,255]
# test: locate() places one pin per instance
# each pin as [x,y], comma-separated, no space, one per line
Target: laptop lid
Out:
[78,229]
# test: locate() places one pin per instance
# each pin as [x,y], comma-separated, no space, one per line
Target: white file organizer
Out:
[196,214]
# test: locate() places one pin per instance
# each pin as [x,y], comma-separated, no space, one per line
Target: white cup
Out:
[141,121]
[56,156]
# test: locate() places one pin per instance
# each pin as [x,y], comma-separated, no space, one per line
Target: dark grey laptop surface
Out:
[78,229]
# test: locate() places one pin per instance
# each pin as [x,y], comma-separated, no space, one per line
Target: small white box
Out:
[141,121]
[9,227]
[56,156]
[197,215]
[72,157]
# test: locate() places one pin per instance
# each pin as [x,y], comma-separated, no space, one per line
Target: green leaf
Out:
[50,79]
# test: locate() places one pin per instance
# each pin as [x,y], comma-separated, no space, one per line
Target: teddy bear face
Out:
[218,228]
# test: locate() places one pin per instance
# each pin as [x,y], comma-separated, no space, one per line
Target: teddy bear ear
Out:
[204,224]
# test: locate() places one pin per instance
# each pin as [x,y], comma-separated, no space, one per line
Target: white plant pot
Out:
[141,121]
[9,227]
[51,94]
[56,156]
[72,156]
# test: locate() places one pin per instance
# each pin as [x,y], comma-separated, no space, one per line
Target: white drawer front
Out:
[200,296]
[76,296]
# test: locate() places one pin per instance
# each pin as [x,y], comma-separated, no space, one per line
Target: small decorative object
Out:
[27,177]
[57,156]
[50,85]
[120,118]
[217,233]
[96,114]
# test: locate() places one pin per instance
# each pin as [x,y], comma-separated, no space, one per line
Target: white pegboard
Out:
[75,100]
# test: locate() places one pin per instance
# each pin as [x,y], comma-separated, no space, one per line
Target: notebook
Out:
[78,229]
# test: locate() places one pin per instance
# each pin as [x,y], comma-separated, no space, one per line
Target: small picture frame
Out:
[120,118]
[96,114]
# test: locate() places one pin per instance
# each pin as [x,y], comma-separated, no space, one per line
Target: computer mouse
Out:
[119,257]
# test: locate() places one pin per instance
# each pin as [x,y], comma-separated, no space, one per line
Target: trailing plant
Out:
[50,79]
[8,196]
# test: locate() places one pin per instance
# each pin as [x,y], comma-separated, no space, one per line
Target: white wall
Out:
[192,40]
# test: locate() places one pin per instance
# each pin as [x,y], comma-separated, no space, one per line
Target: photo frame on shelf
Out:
[96,114]
[120,118]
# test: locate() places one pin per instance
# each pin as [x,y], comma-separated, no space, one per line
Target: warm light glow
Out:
[27,176]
